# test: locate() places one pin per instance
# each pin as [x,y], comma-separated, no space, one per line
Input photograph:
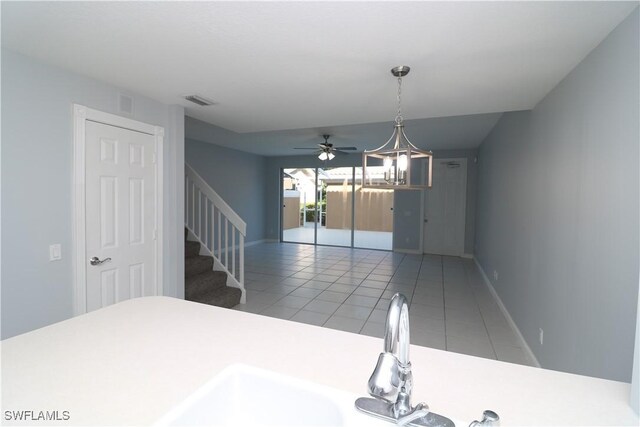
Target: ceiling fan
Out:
[327,150]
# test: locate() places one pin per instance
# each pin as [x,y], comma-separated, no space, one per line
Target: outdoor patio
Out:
[339,237]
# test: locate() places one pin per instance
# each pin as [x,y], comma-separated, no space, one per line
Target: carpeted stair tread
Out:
[202,282]
[222,297]
[197,264]
[191,249]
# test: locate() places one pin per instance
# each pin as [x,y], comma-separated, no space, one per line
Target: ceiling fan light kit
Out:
[327,150]
[396,155]
[326,155]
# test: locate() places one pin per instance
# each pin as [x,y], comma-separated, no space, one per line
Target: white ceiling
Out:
[291,65]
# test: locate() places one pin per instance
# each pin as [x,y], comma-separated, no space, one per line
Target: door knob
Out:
[96,261]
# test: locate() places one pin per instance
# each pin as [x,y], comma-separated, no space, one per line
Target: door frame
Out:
[423,198]
[81,115]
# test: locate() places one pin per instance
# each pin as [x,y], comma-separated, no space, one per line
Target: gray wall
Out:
[37,186]
[557,213]
[407,221]
[237,176]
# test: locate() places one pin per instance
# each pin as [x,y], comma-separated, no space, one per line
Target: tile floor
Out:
[350,289]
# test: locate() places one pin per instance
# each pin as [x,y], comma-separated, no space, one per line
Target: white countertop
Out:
[132,362]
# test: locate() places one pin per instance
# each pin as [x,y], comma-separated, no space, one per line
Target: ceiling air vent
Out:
[196,99]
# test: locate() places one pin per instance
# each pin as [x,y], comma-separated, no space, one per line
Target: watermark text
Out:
[30,415]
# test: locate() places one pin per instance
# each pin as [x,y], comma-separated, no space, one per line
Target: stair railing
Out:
[216,226]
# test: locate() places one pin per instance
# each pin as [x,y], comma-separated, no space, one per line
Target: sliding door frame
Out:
[319,193]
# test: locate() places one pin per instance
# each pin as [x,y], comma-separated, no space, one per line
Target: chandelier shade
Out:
[389,166]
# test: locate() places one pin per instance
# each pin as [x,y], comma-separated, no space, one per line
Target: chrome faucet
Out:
[392,381]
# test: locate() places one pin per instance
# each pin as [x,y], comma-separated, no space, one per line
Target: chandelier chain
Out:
[399,118]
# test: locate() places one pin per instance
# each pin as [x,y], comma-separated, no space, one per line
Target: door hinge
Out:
[155,234]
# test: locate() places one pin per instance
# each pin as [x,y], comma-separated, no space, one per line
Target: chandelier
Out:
[389,166]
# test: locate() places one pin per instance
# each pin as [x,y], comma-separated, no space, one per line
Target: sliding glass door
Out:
[328,206]
[335,186]
[373,214]
[299,205]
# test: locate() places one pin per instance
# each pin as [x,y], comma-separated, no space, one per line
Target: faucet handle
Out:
[385,381]
[488,418]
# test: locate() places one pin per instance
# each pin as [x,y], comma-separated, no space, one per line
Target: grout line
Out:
[391,262]
[380,297]
[360,259]
[415,285]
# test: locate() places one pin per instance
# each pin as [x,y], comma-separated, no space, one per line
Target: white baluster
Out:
[213,226]
[241,273]
[186,200]
[205,239]
[199,214]
[219,236]
[233,250]
[226,242]
[193,206]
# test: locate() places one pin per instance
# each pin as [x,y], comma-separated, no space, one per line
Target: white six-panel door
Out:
[121,225]
[445,208]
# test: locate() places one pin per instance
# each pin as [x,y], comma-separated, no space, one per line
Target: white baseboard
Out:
[408,251]
[257,242]
[254,242]
[507,316]
[205,251]
[467,256]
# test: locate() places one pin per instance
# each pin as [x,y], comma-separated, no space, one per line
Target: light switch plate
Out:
[55,252]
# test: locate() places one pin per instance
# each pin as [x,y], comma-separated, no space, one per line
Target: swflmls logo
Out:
[37,415]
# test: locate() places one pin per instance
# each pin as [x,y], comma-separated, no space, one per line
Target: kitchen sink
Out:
[245,395]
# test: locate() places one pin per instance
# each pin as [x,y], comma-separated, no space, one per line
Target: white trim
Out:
[79,238]
[257,242]
[407,251]
[205,251]
[209,192]
[81,115]
[467,256]
[505,312]
[158,133]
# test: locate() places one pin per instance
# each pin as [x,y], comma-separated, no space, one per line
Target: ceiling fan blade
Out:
[345,148]
[304,148]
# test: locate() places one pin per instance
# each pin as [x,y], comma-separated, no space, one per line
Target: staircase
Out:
[204,284]
[214,246]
